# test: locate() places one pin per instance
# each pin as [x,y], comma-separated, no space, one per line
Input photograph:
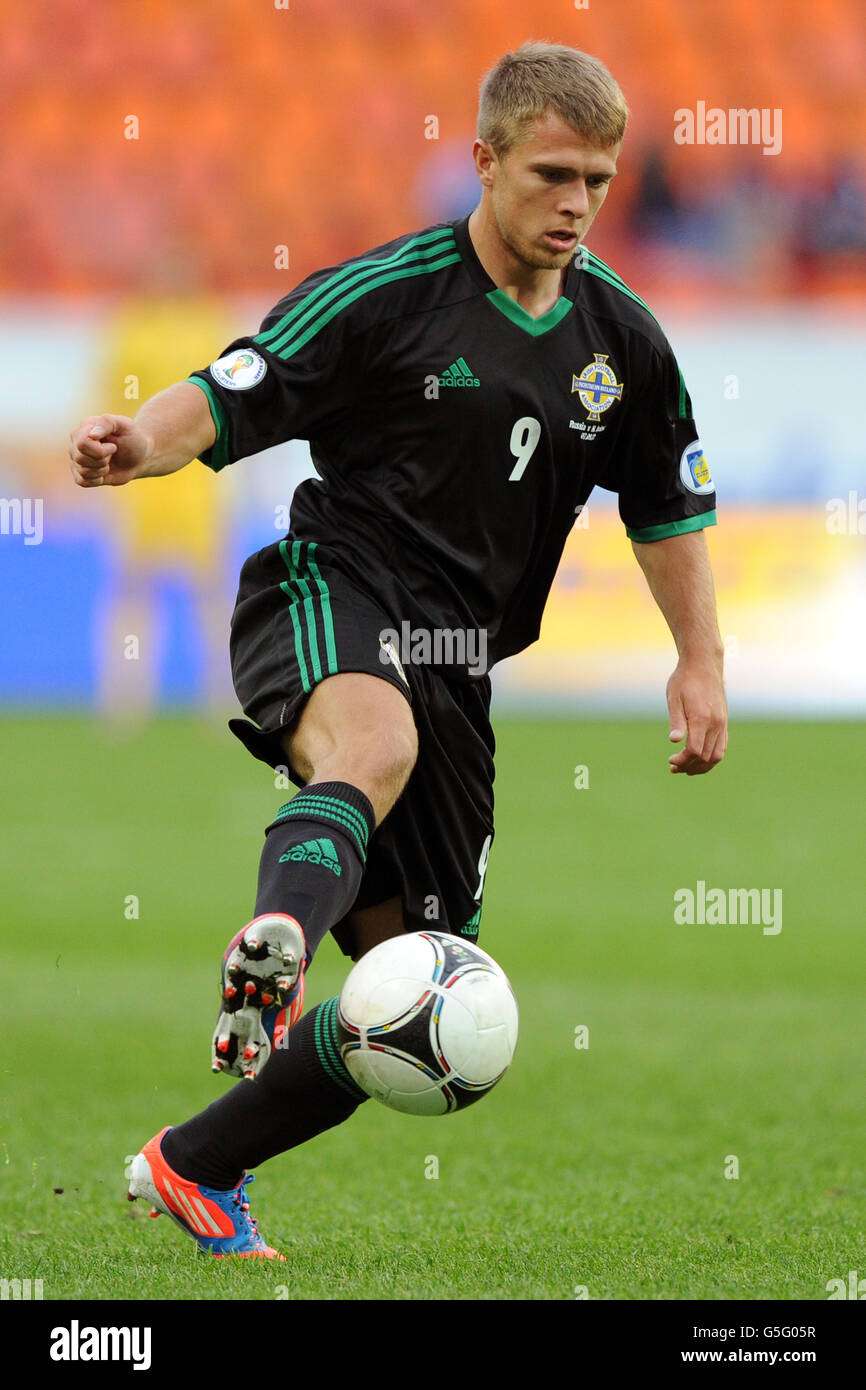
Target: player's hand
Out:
[107,450]
[698,713]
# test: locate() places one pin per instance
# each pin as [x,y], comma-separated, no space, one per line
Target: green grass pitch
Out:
[600,1168]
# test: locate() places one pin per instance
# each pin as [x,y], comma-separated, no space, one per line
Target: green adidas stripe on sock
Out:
[328,1048]
[333,806]
[328,808]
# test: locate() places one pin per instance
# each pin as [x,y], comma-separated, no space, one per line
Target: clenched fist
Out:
[107,450]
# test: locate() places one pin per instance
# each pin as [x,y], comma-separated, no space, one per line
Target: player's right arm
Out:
[286,382]
[171,429]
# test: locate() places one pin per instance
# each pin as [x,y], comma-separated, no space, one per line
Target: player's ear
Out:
[485,157]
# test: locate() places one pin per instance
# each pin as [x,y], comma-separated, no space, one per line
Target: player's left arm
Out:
[677,570]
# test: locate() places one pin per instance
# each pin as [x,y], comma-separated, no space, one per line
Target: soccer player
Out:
[463,390]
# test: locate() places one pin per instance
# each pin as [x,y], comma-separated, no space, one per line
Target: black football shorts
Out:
[299,620]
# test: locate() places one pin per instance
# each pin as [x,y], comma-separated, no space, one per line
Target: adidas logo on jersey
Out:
[314,852]
[458,374]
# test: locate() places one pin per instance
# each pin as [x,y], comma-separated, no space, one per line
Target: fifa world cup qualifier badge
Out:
[238,371]
[695,472]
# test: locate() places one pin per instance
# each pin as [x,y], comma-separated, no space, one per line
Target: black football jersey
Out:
[456,438]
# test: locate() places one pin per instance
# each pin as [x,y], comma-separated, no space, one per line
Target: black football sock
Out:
[303,1089]
[311,867]
[314,855]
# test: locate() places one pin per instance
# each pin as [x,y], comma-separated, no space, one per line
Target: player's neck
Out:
[535,290]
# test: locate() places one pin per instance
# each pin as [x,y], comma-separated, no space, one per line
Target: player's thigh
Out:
[371,925]
[359,722]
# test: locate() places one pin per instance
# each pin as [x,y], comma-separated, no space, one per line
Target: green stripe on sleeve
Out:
[337,282]
[288,345]
[672,528]
[219,449]
[595,264]
[602,272]
[598,267]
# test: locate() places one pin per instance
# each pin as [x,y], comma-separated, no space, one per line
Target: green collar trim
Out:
[534,327]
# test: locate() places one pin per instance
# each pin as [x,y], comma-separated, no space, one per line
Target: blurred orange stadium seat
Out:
[305,127]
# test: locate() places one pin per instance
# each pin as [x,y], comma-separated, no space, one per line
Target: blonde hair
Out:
[538,78]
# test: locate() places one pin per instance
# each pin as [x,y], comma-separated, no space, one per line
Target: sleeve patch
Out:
[694,470]
[240,370]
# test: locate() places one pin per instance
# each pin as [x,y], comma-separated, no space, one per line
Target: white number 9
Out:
[523,443]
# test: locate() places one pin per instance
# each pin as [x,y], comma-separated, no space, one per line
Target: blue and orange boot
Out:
[219,1222]
[262,986]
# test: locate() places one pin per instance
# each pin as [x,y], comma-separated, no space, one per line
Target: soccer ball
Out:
[427,1023]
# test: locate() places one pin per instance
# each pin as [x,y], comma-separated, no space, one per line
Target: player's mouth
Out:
[561,240]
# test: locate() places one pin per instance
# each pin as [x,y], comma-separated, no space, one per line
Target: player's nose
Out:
[576,203]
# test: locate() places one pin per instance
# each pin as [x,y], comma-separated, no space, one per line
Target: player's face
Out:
[546,191]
